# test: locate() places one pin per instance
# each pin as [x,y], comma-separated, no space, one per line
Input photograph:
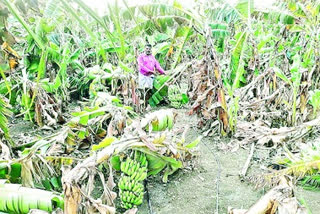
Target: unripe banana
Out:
[130,163]
[132,197]
[126,166]
[134,175]
[138,201]
[135,188]
[129,186]
[142,176]
[122,166]
[121,184]
[130,171]
[134,171]
[126,205]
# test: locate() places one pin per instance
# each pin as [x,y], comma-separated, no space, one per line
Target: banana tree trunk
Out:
[15,198]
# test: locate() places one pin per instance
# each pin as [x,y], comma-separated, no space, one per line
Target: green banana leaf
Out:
[157,162]
[17,199]
[13,174]
[104,143]
[115,162]
[53,183]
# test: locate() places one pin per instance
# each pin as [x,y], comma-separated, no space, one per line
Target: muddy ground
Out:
[195,191]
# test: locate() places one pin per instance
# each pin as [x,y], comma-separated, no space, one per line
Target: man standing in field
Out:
[148,67]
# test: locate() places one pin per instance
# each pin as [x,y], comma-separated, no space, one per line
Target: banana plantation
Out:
[160,106]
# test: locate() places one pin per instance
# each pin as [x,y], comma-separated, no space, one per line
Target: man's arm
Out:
[142,68]
[158,67]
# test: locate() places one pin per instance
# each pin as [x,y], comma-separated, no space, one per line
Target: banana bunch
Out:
[175,96]
[160,120]
[134,171]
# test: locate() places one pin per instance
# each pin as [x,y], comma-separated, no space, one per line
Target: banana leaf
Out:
[219,33]
[17,199]
[115,162]
[13,173]
[157,162]
[53,183]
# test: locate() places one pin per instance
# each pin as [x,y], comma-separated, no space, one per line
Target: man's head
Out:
[148,49]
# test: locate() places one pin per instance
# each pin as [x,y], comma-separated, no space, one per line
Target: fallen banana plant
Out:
[159,120]
[36,166]
[301,166]
[280,199]
[161,152]
[260,132]
[71,181]
[17,199]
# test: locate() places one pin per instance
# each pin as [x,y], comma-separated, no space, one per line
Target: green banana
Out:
[129,186]
[132,197]
[126,205]
[134,170]
[130,163]
[138,200]
[122,166]
[142,176]
[130,171]
[121,183]
[126,166]
[134,175]
[143,160]
[136,188]
[137,166]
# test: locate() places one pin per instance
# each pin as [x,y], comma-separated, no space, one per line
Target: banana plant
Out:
[96,42]
[294,83]
[186,35]
[101,22]
[114,14]
[237,60]
[18,16]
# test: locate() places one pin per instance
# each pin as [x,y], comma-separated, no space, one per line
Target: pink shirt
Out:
[147,63]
